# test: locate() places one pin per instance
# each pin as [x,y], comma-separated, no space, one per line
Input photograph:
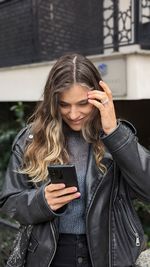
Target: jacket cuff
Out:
[44,207]
[119,137]
[41,201]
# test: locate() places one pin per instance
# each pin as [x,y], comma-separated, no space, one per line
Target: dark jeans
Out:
[72,251]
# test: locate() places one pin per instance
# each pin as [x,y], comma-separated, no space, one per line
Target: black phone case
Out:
[63,174]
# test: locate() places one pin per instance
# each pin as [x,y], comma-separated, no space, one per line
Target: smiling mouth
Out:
[76,121]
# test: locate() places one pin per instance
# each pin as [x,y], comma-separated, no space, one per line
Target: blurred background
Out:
[113,34]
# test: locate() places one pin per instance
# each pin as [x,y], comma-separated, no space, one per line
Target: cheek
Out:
[63,112]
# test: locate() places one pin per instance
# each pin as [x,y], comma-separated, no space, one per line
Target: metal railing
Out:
[125,23]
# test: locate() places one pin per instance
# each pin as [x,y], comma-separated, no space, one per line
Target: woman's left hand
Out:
[104,102]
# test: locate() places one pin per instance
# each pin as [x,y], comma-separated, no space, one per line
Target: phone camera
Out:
[59,174]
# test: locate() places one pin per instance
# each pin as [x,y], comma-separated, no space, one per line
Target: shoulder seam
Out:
[18,136]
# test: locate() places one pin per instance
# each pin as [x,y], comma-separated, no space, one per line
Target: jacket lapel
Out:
[94,175]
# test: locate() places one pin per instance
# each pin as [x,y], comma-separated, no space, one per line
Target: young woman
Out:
[76,124]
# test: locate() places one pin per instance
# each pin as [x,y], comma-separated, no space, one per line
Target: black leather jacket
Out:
[114,233]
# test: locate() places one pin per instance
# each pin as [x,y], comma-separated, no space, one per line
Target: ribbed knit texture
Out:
[73,220]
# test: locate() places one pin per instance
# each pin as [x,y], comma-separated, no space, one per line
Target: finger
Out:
[66,191]
[97,104]
[57,203]
[67,198]
[106,89]
[97,95]
[54,187]
[91,92]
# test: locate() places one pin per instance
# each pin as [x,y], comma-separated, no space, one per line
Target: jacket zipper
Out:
[87,224]
[87,219]
[133,229]
[110,209]
[55,245]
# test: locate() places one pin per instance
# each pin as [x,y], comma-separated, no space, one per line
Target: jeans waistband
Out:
[72,237]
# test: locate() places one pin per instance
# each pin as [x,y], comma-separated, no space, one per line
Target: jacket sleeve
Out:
[19,198]
[131,157]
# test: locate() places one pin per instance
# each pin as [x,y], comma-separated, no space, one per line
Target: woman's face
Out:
[74,106]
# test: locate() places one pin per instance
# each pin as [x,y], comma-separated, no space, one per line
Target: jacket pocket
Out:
[32,244]
[127,234]
[129,222]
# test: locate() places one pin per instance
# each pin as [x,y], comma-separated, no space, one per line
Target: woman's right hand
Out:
[57,195]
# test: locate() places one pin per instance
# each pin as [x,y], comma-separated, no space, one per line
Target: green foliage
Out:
[7,236]
[143,210]
[8,131]
[141,206]
[147,233]
[19,112]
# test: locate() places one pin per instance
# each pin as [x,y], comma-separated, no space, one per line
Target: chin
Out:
[75,127]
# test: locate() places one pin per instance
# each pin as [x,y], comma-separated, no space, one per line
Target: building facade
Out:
[114,34]
[41,30]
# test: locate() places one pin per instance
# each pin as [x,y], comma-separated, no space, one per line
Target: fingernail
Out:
[62,185]
[101,81]
[74,189]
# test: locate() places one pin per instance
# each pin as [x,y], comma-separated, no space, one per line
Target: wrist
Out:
[110,130]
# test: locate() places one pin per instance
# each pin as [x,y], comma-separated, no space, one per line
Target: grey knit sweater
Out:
[73,220]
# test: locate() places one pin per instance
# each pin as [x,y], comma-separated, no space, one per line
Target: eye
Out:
[64,105]
[84,103]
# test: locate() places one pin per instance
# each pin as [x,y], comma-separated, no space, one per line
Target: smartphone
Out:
[65,173]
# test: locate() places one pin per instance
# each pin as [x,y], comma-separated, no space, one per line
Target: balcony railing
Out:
[125,23]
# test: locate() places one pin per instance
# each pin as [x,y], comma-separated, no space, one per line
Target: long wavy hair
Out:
[49,141]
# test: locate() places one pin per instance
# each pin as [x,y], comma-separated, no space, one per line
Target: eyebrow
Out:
[83,101]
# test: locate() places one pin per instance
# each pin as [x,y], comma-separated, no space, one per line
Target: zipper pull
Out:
[137,240]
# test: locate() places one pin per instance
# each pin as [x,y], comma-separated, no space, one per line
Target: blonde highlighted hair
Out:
[49,142]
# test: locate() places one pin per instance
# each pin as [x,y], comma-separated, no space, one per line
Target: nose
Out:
[74,113]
